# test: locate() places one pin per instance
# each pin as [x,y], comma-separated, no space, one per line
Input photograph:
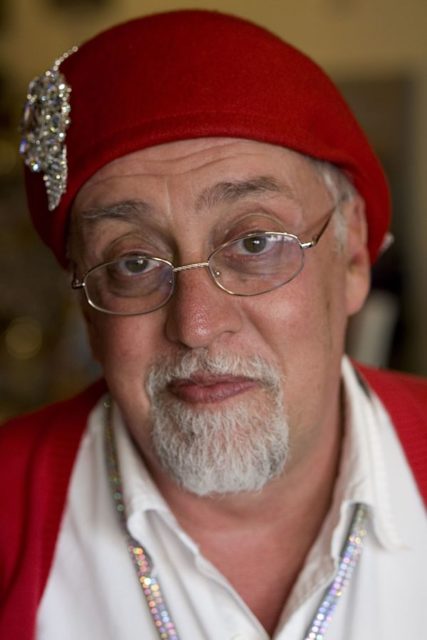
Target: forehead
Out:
[188,164]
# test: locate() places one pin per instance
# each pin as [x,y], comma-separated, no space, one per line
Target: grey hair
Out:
[341,189]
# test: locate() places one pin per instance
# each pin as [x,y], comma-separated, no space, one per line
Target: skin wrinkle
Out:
[337,184]
[136,211]
[222,192]
[131,212]
[232,191]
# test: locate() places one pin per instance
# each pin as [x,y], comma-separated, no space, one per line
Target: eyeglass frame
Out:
[81,283]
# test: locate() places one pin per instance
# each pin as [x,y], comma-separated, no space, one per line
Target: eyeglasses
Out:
[252,264]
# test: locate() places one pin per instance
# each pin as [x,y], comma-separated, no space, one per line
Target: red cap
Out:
[191,74]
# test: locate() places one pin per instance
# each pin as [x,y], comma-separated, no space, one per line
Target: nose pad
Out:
[199,312]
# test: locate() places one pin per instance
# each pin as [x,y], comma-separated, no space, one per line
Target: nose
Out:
[199,313]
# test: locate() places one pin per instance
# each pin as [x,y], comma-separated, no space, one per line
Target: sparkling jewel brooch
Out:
[45,121]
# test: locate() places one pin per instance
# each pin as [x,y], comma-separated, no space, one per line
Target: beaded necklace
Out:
[149,582]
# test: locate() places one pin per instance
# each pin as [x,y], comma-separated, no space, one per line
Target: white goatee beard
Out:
[219,450]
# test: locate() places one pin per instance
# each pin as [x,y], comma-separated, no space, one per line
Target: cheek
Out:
[308,314]
[123,346]
[304,327]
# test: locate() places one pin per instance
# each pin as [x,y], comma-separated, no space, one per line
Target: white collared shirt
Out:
[93,594]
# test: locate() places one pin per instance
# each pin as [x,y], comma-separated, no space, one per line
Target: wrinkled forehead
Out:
[200,173]
[221,156]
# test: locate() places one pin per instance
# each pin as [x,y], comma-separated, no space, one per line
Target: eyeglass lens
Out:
[254,264]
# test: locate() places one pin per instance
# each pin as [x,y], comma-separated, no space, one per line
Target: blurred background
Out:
[375,51]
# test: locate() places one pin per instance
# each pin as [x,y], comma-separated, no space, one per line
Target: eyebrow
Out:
[128,210]
[232,191]
[225,191]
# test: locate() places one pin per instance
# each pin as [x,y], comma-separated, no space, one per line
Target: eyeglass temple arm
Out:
[312,243]
[77,284]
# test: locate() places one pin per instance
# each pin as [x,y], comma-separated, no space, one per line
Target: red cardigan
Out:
[38,453]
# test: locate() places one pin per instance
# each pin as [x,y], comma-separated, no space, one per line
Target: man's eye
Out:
[254,244]
[262,244]
[134,265]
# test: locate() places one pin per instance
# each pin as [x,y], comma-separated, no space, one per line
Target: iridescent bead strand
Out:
[349,557]
[141,560]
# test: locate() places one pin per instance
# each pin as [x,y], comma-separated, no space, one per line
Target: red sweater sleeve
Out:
[37,455]
[405,398]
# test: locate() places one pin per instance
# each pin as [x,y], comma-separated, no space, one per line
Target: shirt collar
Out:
[363,475]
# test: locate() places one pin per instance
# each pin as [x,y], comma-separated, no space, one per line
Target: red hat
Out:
[176,76]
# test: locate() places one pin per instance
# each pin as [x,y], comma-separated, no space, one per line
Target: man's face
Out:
[208,357]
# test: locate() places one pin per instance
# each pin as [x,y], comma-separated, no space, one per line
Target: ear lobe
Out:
[358,267]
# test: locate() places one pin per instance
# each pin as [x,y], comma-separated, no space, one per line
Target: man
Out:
[218,208]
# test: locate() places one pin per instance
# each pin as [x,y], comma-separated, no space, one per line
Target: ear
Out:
[92,329]
[86,310]
[358,266]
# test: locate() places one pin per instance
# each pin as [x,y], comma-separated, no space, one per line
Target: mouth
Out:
[207,388]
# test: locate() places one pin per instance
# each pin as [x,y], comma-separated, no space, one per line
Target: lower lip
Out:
[194,393]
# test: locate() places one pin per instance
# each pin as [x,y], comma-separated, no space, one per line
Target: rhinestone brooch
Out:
[45,121]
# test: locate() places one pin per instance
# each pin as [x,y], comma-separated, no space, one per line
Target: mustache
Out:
[185,365]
